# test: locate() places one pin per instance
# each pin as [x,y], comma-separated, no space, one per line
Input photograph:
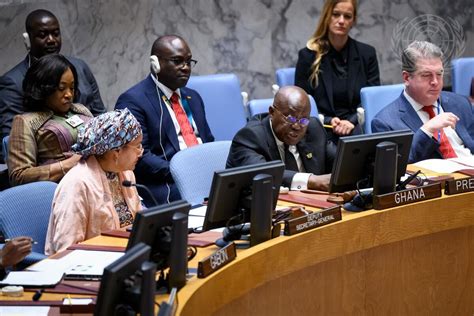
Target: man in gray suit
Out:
[42,37]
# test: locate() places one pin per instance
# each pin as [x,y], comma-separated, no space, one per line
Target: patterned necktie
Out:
[290,161]
[444,146]
[186,129]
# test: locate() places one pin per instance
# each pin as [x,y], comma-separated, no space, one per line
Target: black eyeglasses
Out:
[304,121]
[180,62]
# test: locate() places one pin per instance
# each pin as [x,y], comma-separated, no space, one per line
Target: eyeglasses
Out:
[304,121]
[181,62]
[138,148]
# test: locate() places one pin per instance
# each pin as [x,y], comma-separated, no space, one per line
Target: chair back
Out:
[25,211]
[193,169]
[221,94]
[462,75]
[285,77]
[258,106]
[5,148]
[375,98]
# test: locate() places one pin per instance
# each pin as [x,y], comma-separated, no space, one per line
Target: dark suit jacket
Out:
[363,71]
[11,92]
[255,144]
[400,115]
[160,143]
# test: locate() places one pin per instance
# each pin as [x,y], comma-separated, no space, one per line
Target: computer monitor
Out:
[165,229]
[232,189]
[128,284]
[356,158]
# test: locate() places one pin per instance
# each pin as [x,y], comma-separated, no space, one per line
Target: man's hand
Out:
[15,250]
[439,122]
[341,127]
[319,182]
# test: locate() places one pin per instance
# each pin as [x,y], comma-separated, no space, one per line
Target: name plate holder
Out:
[407,196]
[217,260]
[312,220]
[459,186]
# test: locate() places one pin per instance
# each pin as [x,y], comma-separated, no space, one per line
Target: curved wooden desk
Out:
[410,260]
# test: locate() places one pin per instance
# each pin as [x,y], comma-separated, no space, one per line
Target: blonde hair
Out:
[319,41]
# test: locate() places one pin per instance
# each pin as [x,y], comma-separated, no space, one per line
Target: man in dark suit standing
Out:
[287,133]
[42,37]
[172,116]
[443,122]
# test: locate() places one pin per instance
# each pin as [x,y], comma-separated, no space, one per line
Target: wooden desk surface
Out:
[414,259]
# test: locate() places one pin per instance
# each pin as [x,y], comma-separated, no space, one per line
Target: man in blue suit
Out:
[42,37]
[172,116]
[443,122]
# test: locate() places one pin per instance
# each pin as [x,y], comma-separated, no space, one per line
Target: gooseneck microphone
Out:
[128,184]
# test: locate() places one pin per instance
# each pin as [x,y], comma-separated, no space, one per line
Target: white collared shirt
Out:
[300,179]
[168,93]
[453,138]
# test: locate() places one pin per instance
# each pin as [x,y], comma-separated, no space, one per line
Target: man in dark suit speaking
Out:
[172,116]
[42,37]
[287,133]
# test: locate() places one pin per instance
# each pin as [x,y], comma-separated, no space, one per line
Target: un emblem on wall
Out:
[447,34]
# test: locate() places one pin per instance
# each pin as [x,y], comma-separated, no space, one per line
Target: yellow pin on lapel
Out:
[188,97]
[309,155]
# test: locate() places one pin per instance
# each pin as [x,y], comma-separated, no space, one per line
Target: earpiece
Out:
[154,64]
[26,41]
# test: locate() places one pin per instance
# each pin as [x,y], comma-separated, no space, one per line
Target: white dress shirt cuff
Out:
[300,181]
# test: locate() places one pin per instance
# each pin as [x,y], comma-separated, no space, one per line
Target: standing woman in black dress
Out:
[333,68]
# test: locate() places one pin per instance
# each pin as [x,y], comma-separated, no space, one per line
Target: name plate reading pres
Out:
[459,186]
[313,220]
[407,196]
[216,261]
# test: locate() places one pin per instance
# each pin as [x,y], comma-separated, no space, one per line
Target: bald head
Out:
[44,33]
[290,110]
[292,97]
[163,42]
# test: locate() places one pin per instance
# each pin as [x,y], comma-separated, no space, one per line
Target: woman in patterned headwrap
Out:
[90,198]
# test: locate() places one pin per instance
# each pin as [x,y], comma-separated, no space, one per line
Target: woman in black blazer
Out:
[333,68]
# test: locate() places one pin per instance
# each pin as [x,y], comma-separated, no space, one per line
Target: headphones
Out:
[155,64]
[26,41]
[155,69]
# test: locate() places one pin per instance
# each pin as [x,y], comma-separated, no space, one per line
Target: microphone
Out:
[128,184]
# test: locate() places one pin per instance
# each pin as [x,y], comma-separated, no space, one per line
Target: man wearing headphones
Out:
[172,116]
[42,37]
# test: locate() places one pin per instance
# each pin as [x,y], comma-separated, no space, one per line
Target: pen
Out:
[327,126]
[32,241]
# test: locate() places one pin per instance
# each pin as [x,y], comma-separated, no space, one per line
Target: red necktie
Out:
[444,146]
[186,129]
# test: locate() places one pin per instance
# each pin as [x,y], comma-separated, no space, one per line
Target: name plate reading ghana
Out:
[459,186]
[408,196]
[216,261]
[313,220]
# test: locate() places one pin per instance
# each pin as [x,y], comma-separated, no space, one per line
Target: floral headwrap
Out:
[111,130]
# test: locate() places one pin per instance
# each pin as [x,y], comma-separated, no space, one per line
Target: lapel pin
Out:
[188,97]
[309,155]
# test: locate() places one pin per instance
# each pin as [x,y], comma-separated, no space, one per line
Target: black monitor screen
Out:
[118,288]
[231,189]
[356,154]
[153,227]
